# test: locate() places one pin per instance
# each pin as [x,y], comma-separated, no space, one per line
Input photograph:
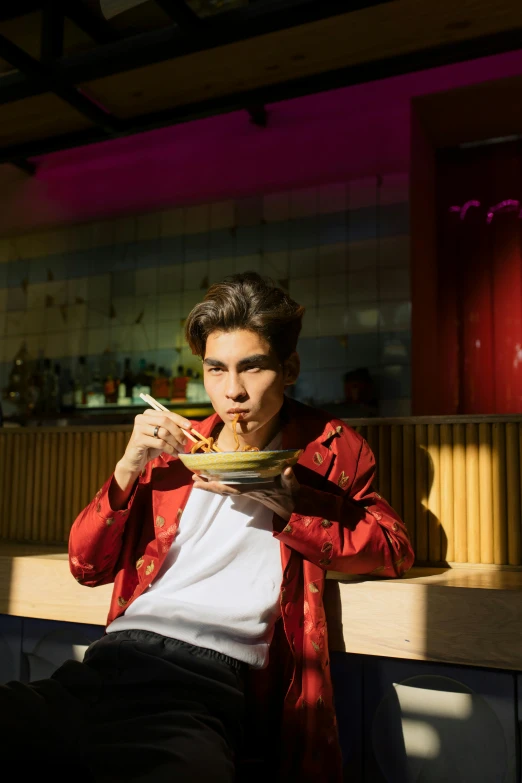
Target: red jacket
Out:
[339,523]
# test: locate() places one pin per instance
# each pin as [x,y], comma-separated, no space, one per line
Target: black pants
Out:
[141,707]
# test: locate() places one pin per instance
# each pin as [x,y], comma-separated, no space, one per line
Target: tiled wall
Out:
[125,285]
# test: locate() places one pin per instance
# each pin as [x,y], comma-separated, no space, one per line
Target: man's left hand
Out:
[279,496]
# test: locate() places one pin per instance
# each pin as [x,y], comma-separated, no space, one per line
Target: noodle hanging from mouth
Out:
[208,444]
[236,439]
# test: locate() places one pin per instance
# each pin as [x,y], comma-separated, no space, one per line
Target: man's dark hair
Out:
[246,301]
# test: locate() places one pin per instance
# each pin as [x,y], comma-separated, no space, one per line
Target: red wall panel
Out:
[479,263]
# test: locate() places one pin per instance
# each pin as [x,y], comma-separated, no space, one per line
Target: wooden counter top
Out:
[466,614]
[470,615]
[35,581]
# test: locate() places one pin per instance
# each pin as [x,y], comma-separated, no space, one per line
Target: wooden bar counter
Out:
[455,481]
[463,615]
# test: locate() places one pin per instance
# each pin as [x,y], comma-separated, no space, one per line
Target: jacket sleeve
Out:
[355,533]
[96,537]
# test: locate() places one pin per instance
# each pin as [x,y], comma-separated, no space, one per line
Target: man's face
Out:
[244,375]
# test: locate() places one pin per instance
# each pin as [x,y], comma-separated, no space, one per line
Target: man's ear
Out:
[291,369]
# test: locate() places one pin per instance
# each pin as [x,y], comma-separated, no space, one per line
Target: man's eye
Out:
[253,368]
[215,370]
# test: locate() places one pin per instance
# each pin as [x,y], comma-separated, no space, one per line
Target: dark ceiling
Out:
[74,72]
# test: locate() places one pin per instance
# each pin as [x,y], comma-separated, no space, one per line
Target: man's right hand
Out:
[145,446]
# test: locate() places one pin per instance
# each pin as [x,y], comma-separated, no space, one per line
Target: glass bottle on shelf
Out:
[179,386]
[110,389]
[49,388]
[110,378]
[142,377]
[141,384]
[56,395]
[127,379]
[126,384]
[151,374]
[17,391]
[95,396]
[161,385]
[67,391]
[81,381]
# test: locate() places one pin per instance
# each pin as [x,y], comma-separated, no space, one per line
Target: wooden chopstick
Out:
[159,407]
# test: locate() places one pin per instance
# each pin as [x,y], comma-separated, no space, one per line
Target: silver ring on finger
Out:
[156,430]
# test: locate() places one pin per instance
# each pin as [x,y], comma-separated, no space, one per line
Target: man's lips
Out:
[236,411]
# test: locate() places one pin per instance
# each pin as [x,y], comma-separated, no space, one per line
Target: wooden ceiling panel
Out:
[378,34]
[74,39]
[382,31]
[24,31]
[37,118]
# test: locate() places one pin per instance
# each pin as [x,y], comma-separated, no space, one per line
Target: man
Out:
[218,589]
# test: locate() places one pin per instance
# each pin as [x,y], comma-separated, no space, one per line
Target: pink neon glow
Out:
[335,136]
[466,206]
[463,210]
[508,205]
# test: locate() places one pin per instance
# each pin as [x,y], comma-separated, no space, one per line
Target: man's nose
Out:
[235,389]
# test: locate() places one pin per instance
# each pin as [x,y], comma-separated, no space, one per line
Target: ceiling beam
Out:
[16,8]
[173,42]
[229,27]
[95,26]
[263,96]
[51,39]
[49,81]
[181,14]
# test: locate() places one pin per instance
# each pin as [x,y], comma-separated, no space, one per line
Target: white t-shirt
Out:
[220,582]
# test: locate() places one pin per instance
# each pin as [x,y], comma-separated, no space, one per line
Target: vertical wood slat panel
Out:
[467,511]
[103,461]
[514,489]
[112,454]
[3,481]
[53,486]
[93,465]
[363,431]
[421,493]
[446,493]
[43,522]
[513,493]
[60,488]
[486,459]
[88,457]
[15,486]
[70,478]
[36,510]
[472,494]
[385,464]
[6,505]
[409,481]
[397,469]
[22,486]
[498,519]
[77,484]
[29,488]
[433,466]
[460,506]
[372,438]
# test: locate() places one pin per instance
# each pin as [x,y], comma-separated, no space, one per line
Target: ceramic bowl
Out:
[241,467]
